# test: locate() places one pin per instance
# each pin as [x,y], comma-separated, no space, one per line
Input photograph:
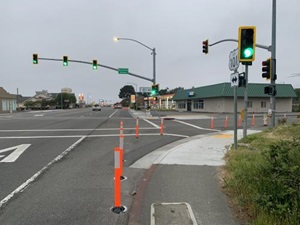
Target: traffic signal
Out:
[205,46]
[270,90]
[246,44]
[242,80]
[267,69]
[65,61]
[154,90]
[95,64]
[267,90]
[35,59]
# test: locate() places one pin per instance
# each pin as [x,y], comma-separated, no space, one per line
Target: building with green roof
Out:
[219,98]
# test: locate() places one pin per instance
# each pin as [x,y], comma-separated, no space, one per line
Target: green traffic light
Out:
[248,52]
[95,64]
[65,61]
[35,59]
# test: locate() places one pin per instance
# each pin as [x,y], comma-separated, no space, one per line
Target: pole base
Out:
[118,209]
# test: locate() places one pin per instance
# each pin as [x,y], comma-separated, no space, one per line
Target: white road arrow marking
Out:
[18,150]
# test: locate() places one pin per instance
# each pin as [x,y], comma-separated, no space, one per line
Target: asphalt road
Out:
[57,167]
[45,185]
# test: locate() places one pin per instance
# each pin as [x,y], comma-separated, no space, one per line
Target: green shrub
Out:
[267,182]
[279,191]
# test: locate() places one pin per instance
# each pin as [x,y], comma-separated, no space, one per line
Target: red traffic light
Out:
[265,63]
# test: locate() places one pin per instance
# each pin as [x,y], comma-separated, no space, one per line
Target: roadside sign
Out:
[242,114]
[123,70]
[132,98]
[233,60]
[234,79]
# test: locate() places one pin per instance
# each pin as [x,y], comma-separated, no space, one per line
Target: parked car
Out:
[96,107]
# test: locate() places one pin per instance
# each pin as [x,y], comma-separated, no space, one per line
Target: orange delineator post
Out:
[212,125]
[118,173]
[121,146]
[226,122]
[253,120]
[137,128]
[161,126]
[121,135]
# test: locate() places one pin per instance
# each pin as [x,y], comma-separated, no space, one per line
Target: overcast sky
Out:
[84,30]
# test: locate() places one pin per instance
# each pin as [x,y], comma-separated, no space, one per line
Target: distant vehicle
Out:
[96,107]
[117,106]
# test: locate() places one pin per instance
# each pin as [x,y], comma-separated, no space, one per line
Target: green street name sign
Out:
[123,70]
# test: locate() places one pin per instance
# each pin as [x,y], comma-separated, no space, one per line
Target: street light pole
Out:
[61,100]
[152,49]
[154,65]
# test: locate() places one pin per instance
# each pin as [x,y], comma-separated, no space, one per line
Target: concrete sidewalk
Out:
[182,183]
[208,149]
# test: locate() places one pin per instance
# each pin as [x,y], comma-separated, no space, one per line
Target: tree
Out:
[126,91]
[66,99]
[176,89]
[163,91]
[297,90]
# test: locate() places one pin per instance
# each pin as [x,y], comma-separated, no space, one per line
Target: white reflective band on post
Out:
[121,143]
[117,160]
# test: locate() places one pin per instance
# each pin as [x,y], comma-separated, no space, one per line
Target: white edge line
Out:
[153,124]
[30,180]
[113,113]
[152,215]
[192,125]
[192,216]
[96,135]
[56,130]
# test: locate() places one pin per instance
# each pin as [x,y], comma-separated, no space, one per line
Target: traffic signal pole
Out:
[273,56]
[245,103]
[269,48]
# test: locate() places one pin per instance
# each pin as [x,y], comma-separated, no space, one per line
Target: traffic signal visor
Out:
[246,43]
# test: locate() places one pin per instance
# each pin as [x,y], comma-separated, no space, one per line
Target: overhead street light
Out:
[152,49]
